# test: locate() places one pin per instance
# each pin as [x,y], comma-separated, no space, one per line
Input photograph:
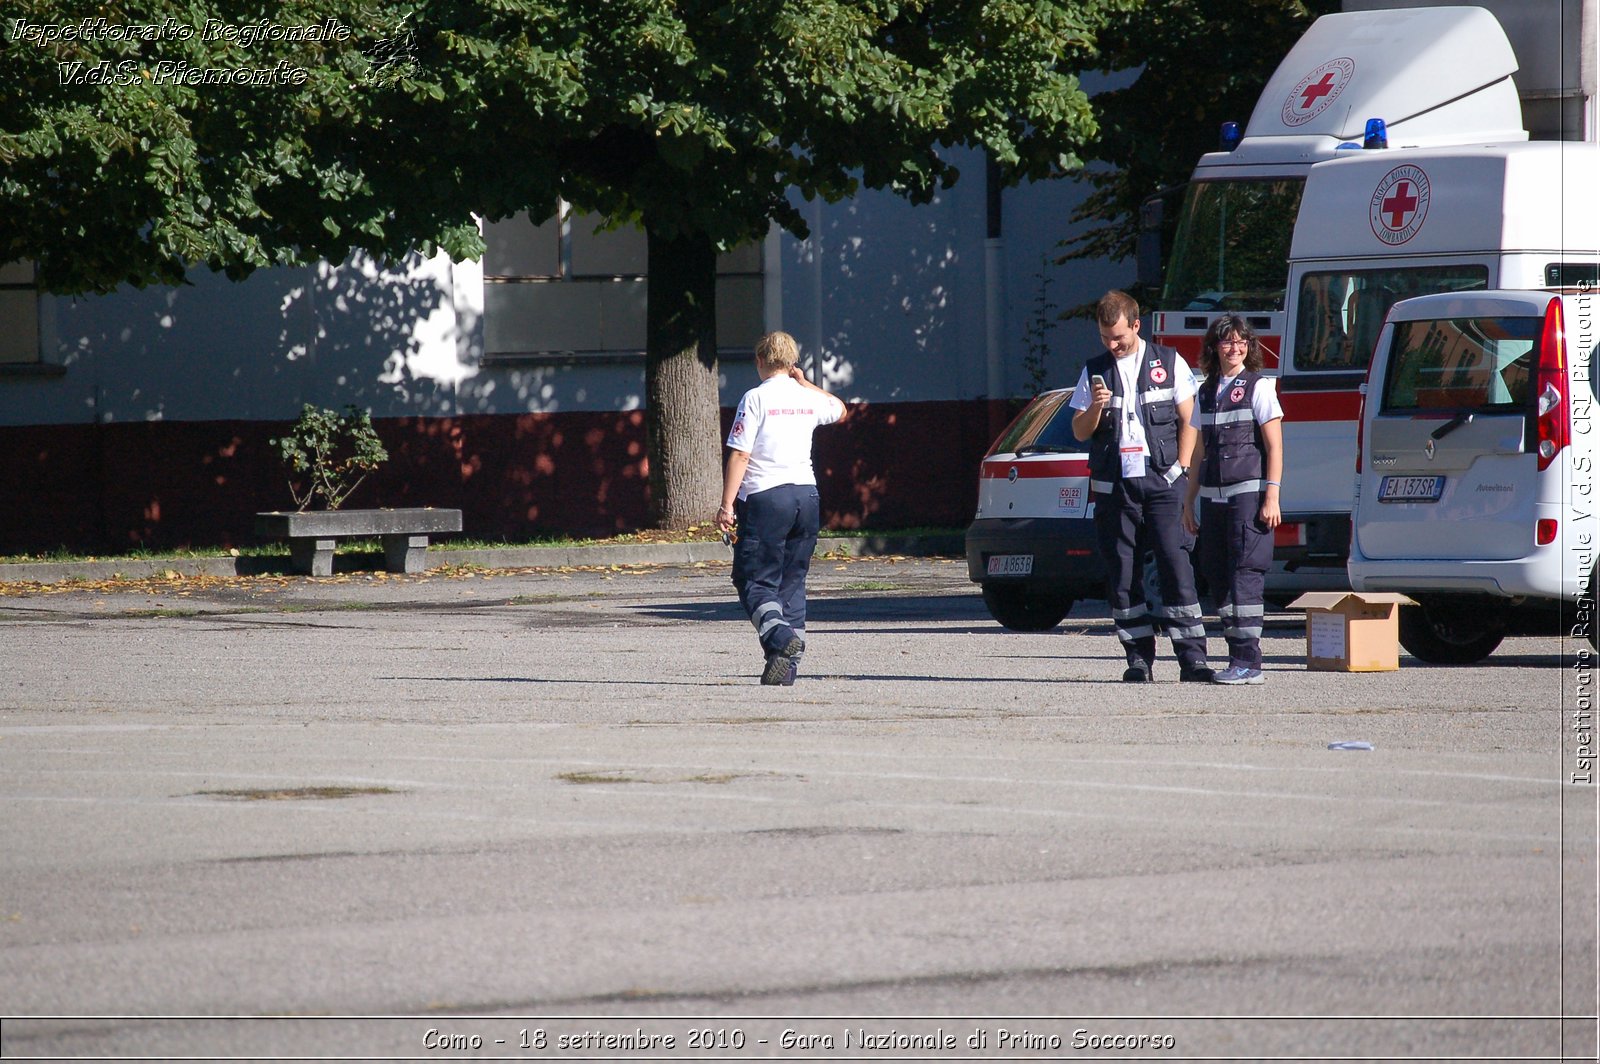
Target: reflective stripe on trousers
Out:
[1228,491]
[777,535]
[1135,517]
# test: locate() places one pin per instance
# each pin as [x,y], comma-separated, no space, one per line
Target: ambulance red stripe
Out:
[1000,468]
[1321,406]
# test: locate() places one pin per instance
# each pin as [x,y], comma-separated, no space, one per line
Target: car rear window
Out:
[1055,435]
[1462,364]
[1036,417]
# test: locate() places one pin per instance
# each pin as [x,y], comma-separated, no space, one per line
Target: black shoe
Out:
[783,666]
[1200,674]
[1136,674]
[778,673]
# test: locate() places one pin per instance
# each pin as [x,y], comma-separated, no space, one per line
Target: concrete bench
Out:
[312,535]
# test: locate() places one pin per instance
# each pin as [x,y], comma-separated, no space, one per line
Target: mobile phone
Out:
[1097,381]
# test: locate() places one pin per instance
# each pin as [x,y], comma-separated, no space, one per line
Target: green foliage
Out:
[131,151]
[121,162]
[702,118]
[333,452]
[1204,62]
[699,120]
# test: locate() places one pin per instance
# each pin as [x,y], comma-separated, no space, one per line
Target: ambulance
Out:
[1377,227]
[1433,75]
[1031,545]
[1310,225]
[1362,84]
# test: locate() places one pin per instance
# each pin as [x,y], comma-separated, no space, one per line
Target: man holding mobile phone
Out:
[1132,405]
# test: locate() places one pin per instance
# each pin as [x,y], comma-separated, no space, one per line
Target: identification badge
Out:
[1132,462]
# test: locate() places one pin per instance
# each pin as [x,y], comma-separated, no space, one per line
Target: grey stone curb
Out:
[127,569]
[952,545]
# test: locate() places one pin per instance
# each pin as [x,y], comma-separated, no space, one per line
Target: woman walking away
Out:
[1240,458]
[769,501]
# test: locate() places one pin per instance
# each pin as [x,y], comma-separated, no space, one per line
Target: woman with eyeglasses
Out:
[1239,457]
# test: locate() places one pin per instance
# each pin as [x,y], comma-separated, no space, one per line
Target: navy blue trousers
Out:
[777,536]
[1135,516]
[1235,551]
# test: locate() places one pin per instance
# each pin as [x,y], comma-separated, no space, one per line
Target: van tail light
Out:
[1544,532]
[1552,410]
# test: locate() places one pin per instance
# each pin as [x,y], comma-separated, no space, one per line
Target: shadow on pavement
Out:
[862,610]
[723,679]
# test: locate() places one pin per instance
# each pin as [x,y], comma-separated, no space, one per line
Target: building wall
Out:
[152,421]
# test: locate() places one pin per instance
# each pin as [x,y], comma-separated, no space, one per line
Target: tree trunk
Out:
[683,426]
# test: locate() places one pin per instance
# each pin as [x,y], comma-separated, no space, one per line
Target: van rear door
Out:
[1447,470]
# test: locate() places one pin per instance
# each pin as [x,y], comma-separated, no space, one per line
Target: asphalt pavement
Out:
[547,813]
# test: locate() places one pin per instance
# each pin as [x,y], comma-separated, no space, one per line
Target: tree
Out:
[1203,62]
[694,119]
[159,135]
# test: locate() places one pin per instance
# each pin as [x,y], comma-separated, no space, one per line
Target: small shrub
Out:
[331,454]
[1036,334]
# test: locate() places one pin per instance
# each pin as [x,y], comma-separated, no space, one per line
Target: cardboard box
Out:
[1352,631]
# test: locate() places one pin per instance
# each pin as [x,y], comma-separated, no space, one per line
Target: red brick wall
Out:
[160,484]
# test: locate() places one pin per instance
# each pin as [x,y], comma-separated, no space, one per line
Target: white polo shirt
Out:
[1127,367]
[1184,380]
[1264,405]
[773,426]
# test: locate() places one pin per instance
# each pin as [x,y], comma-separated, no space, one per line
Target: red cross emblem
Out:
[1313,93]
[1237,395]
[1399,205]
[1317,90]
[1158,375]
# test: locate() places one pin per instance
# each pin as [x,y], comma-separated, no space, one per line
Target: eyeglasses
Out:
[1233,343]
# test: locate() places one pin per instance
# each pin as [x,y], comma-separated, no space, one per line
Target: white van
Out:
[1475,485]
